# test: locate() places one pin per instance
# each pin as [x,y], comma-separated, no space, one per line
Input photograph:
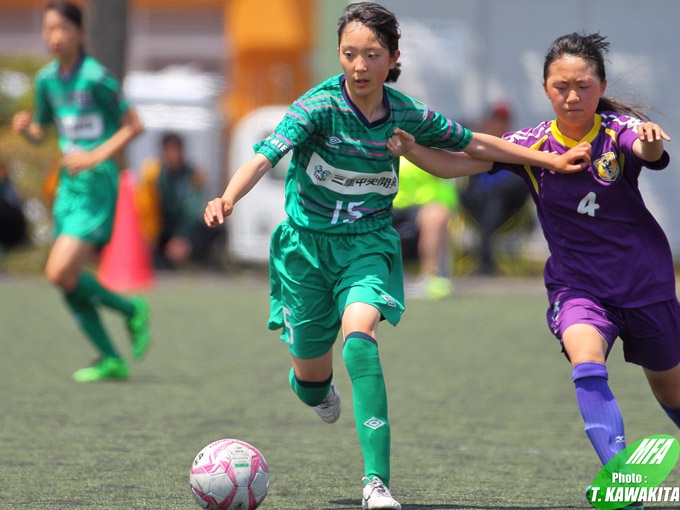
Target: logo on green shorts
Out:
[636,473]
[389,300]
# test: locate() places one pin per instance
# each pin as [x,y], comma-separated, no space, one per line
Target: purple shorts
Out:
[650,334]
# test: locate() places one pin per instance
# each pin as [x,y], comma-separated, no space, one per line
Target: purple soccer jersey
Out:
[601,236]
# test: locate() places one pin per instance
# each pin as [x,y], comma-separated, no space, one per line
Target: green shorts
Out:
[85,204]
[314,277]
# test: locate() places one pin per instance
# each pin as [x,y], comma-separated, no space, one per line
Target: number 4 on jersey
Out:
[588,204]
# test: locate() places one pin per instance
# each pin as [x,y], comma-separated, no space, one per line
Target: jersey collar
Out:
[356,110]
[64,77]
[568,142]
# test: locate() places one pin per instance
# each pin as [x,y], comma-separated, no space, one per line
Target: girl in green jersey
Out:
[83,99]
[335,262]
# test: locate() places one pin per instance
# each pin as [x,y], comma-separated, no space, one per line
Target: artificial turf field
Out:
[482,408]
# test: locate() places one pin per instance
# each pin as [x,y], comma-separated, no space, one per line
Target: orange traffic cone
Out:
[125,263]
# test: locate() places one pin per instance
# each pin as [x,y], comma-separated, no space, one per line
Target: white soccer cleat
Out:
[377,496]
[329,409]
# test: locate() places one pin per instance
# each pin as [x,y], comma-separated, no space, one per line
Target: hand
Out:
[575,159]
[215,212]
[651,132]
[400,143]
[77,162]
[21,121]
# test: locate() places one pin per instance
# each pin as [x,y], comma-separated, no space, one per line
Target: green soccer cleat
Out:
[138,326]
[632,506]
[103,369]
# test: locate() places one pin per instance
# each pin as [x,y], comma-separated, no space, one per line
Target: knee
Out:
[665,386]
[312,393]
[53,275]
[433,216]
[667,395]
[587,370]
[360,354]
[670,401]
[61,278]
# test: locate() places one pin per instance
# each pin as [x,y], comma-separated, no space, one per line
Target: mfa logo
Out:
[635,473]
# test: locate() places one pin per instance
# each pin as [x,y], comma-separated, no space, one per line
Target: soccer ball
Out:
[229,474]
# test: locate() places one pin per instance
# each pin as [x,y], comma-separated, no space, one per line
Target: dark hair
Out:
[68,10]
[383,23]
[592,48]
[171,137]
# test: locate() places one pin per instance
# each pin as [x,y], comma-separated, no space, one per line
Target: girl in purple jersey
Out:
[610,271]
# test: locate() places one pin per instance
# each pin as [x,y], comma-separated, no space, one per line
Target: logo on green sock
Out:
[374,423]
[636,473]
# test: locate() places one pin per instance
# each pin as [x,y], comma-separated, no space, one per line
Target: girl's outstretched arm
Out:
[245,178]
[441,163]
[649,145]
[479,155]
[492,148]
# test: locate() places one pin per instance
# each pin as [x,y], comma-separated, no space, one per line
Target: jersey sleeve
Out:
[42,112]
[430,128]
[531,138]
[626,136]
[435,130]
[660,163]
[294,129]
[107,94]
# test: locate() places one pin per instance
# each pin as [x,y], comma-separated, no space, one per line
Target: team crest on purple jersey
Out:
[607,167]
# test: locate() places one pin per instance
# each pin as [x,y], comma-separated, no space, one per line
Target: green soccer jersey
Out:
[342,179]
[86,105]
[86,108]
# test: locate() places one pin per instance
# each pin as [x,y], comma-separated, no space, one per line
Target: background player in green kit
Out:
[335,262]
[83,99]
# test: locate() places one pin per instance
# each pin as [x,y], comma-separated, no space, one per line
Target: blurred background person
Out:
[491,200]
[13,225]
[76,94]
[422,211]
[170,200]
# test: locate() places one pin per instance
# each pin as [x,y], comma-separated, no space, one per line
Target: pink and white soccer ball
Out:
[229,474]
